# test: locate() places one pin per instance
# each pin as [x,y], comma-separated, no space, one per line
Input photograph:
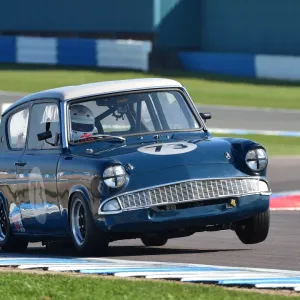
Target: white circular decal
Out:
[37,195]
[168,148]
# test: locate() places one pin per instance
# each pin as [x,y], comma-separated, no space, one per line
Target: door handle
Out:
[20,163]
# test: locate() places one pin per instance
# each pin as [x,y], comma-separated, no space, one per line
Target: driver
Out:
[83,122]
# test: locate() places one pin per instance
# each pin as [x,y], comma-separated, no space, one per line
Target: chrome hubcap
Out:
[78,221]
[3,223]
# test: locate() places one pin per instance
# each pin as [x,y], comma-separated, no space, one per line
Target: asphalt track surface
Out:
[281,250]
[252,118]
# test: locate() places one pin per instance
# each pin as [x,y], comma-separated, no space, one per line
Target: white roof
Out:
[99,88]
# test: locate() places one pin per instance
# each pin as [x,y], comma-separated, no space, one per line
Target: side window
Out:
[145,116]
[17,129]
[177,116]
[41,114]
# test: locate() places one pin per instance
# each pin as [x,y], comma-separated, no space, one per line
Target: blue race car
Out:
[124,159]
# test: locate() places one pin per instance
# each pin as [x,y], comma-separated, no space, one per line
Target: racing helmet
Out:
[82,122]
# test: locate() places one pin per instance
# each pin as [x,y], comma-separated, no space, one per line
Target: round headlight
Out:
[114,176]
[257,159]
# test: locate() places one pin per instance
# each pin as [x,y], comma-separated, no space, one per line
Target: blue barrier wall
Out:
[76,52]
[225,64]
[108,53]
[7,49]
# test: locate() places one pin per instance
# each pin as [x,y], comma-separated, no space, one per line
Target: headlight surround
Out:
[111,206]
[263,187]
[114,176]
[256,159]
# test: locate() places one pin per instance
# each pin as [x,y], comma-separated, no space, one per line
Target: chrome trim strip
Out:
[195,108]
[113,212]
[64,124]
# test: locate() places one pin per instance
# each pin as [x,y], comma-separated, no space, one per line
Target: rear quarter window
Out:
[17,129]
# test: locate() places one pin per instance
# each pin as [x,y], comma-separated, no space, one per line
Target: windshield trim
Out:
[182,91]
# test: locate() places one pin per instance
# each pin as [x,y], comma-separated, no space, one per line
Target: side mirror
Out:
[44,135]
[205,116]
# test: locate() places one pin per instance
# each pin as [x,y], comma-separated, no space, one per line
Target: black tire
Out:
[8,241]
[154,241]
[255,229]
[87,238]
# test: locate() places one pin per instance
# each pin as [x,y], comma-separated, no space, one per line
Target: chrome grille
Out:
[190,191]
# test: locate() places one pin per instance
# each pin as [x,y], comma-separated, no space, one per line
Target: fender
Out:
[240,147]
[65,212]
[4,201]
[80,189]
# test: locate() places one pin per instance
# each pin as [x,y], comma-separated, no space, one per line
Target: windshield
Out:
[135,113]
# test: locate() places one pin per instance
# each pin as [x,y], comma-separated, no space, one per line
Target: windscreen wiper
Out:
[102,136]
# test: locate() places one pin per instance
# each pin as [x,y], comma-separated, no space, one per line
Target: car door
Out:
[37,166]
[14,127]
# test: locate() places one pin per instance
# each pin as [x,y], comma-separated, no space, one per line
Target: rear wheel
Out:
[87,238]
[255,229]
[154,241]
[8,241]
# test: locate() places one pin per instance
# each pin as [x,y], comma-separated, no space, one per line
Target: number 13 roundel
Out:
[168,148]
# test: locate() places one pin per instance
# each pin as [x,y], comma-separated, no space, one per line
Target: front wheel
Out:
[255,229]
[8,241]
[87,238]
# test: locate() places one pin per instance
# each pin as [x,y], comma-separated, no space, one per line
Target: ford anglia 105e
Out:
[100,162]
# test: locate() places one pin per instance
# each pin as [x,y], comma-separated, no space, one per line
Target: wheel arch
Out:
[83,191]
[4,201]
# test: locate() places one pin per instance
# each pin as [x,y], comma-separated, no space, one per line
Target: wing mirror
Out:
[205,116]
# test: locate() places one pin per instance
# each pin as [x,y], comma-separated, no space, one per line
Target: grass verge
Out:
[14,285]
[204,89]
[275,145]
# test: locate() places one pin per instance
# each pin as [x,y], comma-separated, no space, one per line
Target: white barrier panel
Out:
[277,67]
[126,54]
[36,50]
